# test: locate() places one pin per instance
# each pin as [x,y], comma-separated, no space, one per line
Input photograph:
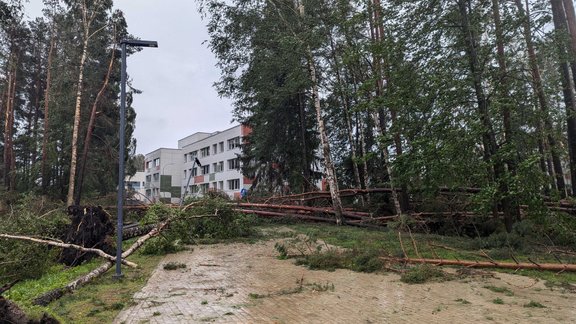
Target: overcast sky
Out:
[176,78]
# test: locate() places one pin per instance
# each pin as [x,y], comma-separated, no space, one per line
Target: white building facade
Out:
[219,157]
[134,186]
[162,175]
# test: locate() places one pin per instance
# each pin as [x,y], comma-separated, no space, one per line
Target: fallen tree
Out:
[54,294]
[488,264]
[68,246]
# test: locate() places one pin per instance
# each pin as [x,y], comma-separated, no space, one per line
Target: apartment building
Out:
[219,157]
[134,186]
[162,169]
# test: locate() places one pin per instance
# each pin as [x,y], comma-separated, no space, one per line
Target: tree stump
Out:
[91,228]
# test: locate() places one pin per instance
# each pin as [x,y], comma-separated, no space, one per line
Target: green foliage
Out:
[30,215]
[423,273]
[502,290]
[534,304]
[498,301]
[282,251]
[210,218]
[356,260]
[174,265]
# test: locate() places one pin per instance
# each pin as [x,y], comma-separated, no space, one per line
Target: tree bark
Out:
[509,203]
[485,264]
[542,101]
[46,135]
[559,18]
[90,129]
[329,170]
[87,20]
[9,159]
[76,128]
[347,116]
[68,245]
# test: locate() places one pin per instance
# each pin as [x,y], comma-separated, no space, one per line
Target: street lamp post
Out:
[124,43]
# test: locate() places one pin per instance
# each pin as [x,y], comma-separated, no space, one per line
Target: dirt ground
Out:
[246,283]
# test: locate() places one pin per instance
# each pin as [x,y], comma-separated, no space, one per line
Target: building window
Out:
[234,184]
[221,144]
[156,176]
[157,162]
[148,178]
[185,174]
[193,154]
[215,149]
[194,171]
[234,164]
[185,158]
[205,151]
[204,188]
[221,185]
[220,166]
[233,143]
[215,167]
[214,186]
[148,164]
[205,169]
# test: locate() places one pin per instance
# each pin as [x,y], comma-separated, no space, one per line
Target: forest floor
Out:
[248,283]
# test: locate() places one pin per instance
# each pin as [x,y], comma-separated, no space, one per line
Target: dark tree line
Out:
[59,98]
[413,95]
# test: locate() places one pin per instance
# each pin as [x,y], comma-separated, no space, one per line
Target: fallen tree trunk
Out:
[327,210]
[489,264]
[54,294]
[69,246]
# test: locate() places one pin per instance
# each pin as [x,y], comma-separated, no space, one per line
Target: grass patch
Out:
[356,260]
[174,266]
[97,302]
[502,290]
[498,301]
[462,301]
[256,296]
[423,273]
[204,302]
[534,304]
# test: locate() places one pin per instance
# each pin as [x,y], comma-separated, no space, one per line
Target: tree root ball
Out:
[91,227]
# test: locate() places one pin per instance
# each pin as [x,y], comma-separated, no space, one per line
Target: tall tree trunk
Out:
[379,117]
[46,134]
[541,95]
[488,136]
[87,19]
[305,163]
[559,18]
[331,178]
[76,128]
[510,204]
[347,116]
[90,129]
[9,161]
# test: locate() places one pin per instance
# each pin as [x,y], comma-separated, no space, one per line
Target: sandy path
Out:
[246,283]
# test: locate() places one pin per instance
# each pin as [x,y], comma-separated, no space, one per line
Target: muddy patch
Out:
[247,283]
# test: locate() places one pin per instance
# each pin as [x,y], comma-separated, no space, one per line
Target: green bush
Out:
[423,273]
[355,260]
[29,215]
[207,218]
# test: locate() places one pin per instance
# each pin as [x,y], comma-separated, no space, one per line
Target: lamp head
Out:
[139,43]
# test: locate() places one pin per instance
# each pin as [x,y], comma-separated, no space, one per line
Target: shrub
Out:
[423,273]
[208,218]
[30,215]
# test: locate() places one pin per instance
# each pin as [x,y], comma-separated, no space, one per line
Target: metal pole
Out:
[187,184]
[121,150]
